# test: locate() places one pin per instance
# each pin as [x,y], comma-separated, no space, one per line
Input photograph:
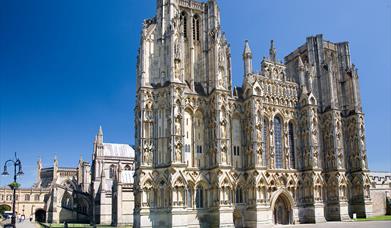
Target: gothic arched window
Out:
[291,140]
[112,171]
[66,201]
[127,167]
[184,24]
[27,197]
[265,140]
[200,197]
[239,195]
[277,142]
[196,27]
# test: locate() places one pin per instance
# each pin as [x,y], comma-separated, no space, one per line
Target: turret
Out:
[301,70]
[55,167]
[99,136]
[80,170]
[39,168]
[247,58]
[272,52]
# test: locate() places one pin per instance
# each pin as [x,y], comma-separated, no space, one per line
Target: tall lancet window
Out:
[291,140]
[196,27]
[277,142]
[184,24]
[112,171]
[264,140]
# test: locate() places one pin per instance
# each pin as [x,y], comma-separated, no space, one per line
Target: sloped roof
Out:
[118,150]
[127,176]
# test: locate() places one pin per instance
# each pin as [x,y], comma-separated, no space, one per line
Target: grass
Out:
[375,218]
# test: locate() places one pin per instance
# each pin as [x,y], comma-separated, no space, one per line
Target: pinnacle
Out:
[247,49]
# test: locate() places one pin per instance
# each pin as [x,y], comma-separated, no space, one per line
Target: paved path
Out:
[25,224]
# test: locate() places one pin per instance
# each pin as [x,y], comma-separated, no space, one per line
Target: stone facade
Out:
[381,192]
[29,201]
[287,146]
[112,182]
[56,196]
[100,193]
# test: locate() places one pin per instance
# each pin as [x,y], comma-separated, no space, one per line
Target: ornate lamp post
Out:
[14,185]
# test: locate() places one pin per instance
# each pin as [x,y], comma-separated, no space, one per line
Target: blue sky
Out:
[67,67]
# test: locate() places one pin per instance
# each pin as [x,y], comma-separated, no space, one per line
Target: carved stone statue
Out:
[177,50]
[259,155]
[177,70]
[178,126]
[223,130]
[314,137]
[178,152]
[147,154]
[223,157]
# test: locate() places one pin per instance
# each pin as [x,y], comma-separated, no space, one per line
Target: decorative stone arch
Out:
[239,190]
[178,179]
[279,198]
[67,200]
[240,181]
[257,90]
[201,191]
[69,185]
[190,109]
[262,180]
[178,191]
[147,183]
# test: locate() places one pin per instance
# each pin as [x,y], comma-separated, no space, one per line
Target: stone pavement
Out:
[26,224]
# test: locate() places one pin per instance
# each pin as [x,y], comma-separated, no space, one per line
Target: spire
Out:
[247,58]
[247,50]
[80,159]
[272,52]
[39,163]
[99,136]
[39,168]
[100,132]
[55,162]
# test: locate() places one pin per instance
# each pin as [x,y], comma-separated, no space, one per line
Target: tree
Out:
[4,207]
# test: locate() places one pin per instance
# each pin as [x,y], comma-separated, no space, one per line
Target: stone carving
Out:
[178,124]
[147,154]
[178,152]
[177,50]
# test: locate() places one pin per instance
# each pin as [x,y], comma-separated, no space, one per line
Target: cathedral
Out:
[285,147]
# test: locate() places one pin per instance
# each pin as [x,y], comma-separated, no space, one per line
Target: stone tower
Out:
[287,146]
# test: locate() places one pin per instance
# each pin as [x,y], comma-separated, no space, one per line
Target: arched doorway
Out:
[282,204]
[281,212]
[40,215]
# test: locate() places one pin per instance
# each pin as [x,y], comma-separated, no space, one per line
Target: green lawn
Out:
[376,218]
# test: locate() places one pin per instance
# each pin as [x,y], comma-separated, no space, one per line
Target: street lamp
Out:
[16,163]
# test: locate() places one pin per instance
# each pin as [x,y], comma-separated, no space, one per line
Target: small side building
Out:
[381,192]
[112,182]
